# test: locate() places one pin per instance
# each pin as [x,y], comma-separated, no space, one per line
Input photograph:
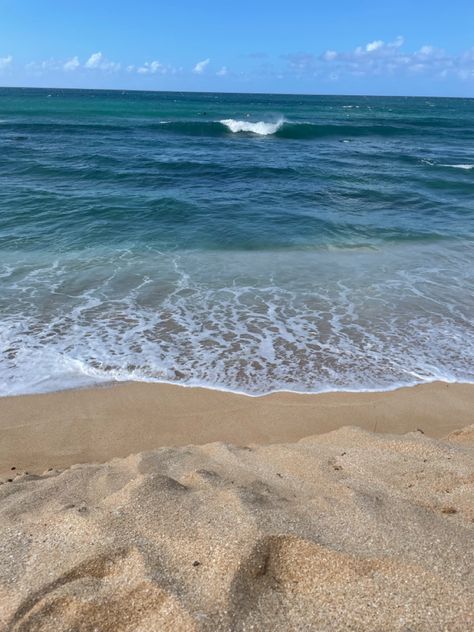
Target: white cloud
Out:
[426,50]
[222,72]
[380,47]
[398,42]
[373,46]
[97,61]
[5,62]
[330,55]
[94,60]
[378,58]
[151,68]
[72,64]
[39,67]
[201,66]
[301,61]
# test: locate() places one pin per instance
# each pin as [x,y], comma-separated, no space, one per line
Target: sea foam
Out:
[233,320]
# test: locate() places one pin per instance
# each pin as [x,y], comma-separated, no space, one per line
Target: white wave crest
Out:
[261,127]
[466,167]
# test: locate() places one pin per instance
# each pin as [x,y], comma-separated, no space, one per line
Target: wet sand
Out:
[81,426]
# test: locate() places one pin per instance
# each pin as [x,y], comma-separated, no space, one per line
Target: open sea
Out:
[244,242]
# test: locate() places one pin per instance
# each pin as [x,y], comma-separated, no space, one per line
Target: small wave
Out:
[466,167]
[261,127]
[307,131]
[281,129]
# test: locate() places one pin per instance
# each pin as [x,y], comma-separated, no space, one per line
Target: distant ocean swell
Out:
[280,128]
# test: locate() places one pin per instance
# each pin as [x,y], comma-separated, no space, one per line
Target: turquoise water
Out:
[245,242]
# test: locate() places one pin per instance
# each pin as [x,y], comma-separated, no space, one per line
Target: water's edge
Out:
[220,389]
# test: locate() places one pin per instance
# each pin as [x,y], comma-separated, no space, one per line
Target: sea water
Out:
[245,242]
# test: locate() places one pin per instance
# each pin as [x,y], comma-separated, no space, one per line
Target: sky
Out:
[415,47]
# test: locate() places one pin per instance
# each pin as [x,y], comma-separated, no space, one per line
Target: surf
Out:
[261,128]
[284,129]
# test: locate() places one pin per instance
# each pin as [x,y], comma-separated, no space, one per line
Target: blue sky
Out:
[339,47]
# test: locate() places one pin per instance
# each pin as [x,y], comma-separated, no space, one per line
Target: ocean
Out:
[244,242]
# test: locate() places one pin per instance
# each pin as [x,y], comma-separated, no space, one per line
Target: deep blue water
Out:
[248,242]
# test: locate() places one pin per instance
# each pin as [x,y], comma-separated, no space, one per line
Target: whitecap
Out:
[467,167]
[261,127]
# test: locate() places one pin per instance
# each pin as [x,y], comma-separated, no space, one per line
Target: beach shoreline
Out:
[64,428]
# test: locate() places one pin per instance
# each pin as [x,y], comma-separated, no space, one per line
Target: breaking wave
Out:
[291,130]
[261,127]
[281,128]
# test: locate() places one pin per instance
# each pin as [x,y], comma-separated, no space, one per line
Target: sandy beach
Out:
[286,512]
[89,425]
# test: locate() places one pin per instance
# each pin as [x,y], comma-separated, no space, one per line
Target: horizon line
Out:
[296,94]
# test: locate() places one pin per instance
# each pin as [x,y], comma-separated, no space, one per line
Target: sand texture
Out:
[348,530]
[83,426]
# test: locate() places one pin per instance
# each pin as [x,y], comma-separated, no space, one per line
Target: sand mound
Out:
[344,531]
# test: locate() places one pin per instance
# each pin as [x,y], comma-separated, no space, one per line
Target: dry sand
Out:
[348,530]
